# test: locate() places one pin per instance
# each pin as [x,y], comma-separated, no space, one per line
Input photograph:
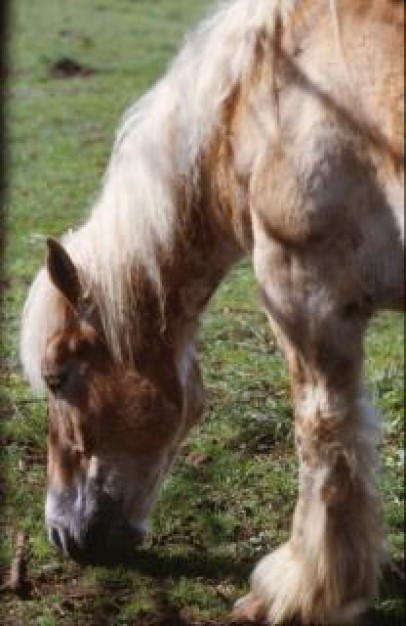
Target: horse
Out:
[276,133]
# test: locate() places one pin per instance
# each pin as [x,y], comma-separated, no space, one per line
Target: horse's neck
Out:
[204,250]
[213,237]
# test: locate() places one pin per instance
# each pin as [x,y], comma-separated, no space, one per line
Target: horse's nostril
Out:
[54,537]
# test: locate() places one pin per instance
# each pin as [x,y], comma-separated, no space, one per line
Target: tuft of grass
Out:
[215,517]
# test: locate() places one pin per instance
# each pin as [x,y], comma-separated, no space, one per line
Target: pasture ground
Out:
[232,492]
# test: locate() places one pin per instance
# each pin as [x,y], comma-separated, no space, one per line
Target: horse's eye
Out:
[55,379]
[79,346]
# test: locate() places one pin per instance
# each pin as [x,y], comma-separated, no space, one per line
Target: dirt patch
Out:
[66,67]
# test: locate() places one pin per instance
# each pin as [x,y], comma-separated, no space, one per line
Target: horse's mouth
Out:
[99,544]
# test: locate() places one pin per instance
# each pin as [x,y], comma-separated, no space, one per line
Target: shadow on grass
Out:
[164,568]
[210,567]
[196,564]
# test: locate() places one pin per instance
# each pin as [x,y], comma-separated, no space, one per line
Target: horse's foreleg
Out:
[326,573]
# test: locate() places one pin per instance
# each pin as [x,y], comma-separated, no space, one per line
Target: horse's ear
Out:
[63,272]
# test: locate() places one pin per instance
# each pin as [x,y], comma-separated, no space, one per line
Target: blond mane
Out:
[157,145]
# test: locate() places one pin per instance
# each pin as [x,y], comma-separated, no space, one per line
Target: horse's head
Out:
[111,430]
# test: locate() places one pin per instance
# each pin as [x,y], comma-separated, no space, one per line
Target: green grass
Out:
[215,518]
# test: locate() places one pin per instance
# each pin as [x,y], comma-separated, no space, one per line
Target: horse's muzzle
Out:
[98,545]
[101,537]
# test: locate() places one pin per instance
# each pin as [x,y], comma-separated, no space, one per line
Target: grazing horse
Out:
[277,132]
